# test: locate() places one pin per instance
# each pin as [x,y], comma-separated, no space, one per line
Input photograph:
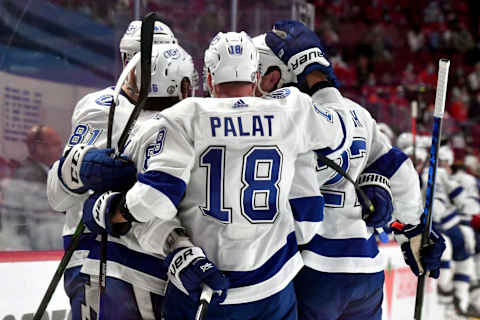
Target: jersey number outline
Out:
[83,131]
[259,195]
[155,148]
[335,198]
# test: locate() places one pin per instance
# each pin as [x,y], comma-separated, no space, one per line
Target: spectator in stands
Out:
[428,76]
[474,78]
[29,222]
[462,39]
[416,39]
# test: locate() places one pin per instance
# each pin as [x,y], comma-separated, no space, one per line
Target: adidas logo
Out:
[240,104]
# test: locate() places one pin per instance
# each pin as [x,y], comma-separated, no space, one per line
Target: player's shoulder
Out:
[442,175]
[100,98]
[287,96]
[96,105]
[98,102]
[464,177]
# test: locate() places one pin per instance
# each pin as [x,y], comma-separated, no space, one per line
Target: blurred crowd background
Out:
[385,52]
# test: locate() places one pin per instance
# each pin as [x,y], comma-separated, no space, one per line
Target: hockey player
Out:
[342,257]
[468,182]
[224,167]
[136,278]
[453,212]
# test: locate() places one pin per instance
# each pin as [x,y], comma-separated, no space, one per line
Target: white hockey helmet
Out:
[471,162]
[232,57]
[420,153]
[130,42]
[386,130]
[445,153]
[268,59]
[170,65]
[404,140]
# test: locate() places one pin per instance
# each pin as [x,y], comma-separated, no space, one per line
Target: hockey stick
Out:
[146,37]
[441,93]
[102,272]
[146,41]
[205,298]
[331,164]
[80,227]
[59,272]
[343,173]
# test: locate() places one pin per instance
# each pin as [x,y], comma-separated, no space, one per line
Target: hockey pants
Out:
[280,306]
[122,300]
[339,296]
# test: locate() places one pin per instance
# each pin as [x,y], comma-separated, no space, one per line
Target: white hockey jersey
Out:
[126,259]
[227,165]
[469,186]
[342,242]
[459,195]
[446,199]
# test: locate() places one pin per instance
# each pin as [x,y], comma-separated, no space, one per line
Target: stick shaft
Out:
[59,272]
[436,134]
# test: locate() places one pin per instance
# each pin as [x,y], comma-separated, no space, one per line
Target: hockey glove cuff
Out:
[70,166]
[189,268]
[84,167]
[98,210]
[377,188]
[419,259]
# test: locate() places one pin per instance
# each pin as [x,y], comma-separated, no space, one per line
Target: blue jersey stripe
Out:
[268,269]
[121,254]
[449,217]
[452,195]
[308,208]
[171,186]
[388,164]
[327,151]
[343,248]
[461,277]
[86,242]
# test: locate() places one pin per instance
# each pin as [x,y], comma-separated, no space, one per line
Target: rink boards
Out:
[26,275]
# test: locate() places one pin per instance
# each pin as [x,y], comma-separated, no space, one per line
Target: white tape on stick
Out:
[443,66]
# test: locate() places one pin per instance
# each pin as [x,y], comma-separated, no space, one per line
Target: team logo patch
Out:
[105,100]
[172,54]
[279,94]
[131,29]
[171,90]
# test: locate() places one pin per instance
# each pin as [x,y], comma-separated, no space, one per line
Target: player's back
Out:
[241,162]
[343,242]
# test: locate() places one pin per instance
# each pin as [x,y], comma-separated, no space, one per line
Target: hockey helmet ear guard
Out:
[232,57]
[171,64]
[267,60]
[130,42]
